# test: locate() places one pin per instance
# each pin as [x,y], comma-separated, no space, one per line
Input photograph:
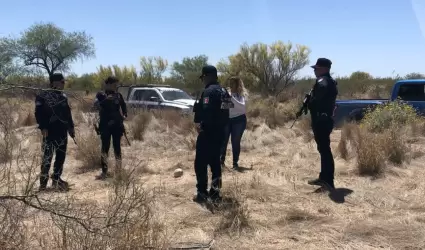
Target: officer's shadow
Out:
[225,204]
[337,195]
[239,169]
[54,190]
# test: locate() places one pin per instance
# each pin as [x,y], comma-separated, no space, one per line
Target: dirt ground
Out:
[276,208]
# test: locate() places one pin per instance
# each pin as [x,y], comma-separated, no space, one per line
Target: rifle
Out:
[304,108]
[123,127]
[96,128]
[125,134]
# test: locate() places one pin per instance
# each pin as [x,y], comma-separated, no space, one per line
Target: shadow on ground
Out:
[337,195]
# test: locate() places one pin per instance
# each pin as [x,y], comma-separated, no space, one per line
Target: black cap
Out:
[322,63]
[208,70]
[56,77]
[111,80]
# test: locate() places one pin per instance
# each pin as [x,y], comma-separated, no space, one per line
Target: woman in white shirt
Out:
[237,123]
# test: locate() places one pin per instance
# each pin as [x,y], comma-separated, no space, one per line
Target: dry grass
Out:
[139,125]
[268,205]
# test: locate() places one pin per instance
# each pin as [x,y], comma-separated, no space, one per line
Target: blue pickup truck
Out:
[411,92]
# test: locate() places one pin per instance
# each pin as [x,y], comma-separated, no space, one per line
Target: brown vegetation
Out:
[267,206]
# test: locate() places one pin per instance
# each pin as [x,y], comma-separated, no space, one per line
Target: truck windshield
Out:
[172,95]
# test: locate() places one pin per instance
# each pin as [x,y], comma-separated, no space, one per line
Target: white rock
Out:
[178,173]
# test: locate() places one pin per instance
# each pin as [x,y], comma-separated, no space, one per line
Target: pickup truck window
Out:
[138,94]
[172,95]
[412,92]
[149,94]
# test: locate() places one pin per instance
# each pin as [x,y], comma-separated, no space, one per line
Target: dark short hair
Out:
[111,80]
[56,77]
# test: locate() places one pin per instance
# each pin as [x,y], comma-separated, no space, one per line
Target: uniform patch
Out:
[206,100]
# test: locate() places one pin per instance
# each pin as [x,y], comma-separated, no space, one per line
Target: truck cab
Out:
[150,96]
[411,92]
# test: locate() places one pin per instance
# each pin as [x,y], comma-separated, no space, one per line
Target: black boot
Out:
[319,182]
[214,195]
[60,184]
[43,183]
[200,198]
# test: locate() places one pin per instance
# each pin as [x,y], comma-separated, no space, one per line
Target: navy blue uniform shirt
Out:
[52,111]
[212,111]
[323,96]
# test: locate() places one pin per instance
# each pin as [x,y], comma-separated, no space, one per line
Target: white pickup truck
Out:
[157,97]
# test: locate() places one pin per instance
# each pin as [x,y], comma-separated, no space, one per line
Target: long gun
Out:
[304,107]
[125,134]
[123,128]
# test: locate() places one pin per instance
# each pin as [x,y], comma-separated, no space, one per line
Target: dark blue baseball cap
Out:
[208,70]
[322,63]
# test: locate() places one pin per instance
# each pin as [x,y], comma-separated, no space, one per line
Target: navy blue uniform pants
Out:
[322,130]
[208,147]
[105,135]
[54,143]
[234,129]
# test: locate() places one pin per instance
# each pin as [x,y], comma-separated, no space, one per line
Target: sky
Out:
[381,37]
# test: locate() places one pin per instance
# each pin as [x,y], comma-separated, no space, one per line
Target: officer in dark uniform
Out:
[54,118]
[211,117]
[112,112]
[321,106]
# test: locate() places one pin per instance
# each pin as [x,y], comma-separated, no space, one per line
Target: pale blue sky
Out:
[376,36]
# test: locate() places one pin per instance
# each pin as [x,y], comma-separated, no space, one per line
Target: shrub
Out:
[384,116]
[139,125]
[370,154]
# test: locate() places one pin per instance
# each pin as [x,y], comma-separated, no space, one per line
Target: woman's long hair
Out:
[236,85]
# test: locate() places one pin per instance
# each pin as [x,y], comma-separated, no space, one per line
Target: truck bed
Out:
[353,110]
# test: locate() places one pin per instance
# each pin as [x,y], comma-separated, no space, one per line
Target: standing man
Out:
[112,112]
[321,106]
[211,118]
[54,119]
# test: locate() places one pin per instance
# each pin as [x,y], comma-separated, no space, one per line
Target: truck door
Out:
[151,99]
[136,100]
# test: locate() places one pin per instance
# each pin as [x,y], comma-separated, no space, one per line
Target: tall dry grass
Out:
[126,212]
[381,139]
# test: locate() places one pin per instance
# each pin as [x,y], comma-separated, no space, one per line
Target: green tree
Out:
[272,67]
[152,69]
[415,75]
[187,72]
[102,73]
[360,76]
[49,47]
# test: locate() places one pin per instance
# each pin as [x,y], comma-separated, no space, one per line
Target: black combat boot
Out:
[60,184]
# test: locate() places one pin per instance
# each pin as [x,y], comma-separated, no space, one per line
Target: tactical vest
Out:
[110,108]
[226,104]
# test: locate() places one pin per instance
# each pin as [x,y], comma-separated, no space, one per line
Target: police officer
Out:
[321,106]
[54,118]
[112,112]
[211,117]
